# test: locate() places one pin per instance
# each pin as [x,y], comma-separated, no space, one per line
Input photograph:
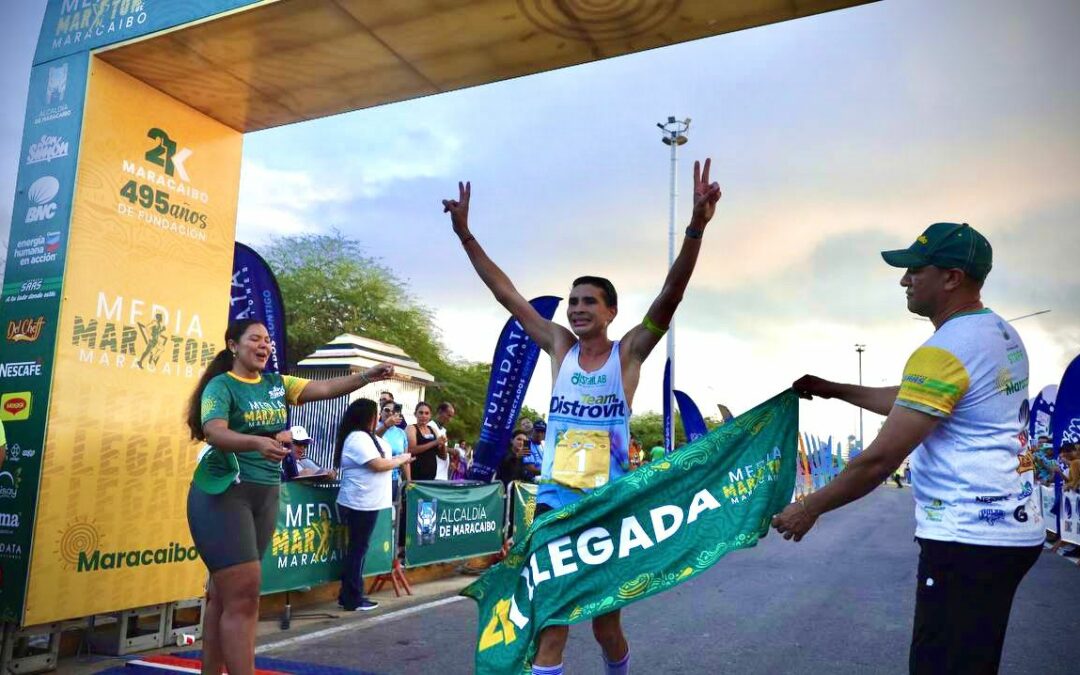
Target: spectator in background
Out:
[535,458]
[526,425]
[387,398]
[443,414]
[424,444]
[513,466]
[297,464]
[395,437]
[366,467]
[635,452]
[458,463]
[657,453]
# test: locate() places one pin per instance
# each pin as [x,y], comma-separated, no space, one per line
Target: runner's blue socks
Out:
[547,670]
[620,667]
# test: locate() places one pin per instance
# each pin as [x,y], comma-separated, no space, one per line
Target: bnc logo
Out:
[166,154]
[41,193]
[57,86]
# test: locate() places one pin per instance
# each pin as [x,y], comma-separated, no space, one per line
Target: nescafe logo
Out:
[14,406]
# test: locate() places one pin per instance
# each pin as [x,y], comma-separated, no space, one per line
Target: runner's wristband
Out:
[652,327]
[694,234]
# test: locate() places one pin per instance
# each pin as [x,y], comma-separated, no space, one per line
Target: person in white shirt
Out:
[960,411]
[366,463]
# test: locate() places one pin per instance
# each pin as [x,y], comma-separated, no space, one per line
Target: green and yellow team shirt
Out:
[972,476]
[257,407]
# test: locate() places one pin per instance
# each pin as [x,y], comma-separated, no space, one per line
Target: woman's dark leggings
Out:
[361,524]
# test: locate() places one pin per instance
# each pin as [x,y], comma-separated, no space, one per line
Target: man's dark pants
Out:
[962,605]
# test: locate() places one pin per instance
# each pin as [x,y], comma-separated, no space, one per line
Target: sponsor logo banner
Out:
[511,369]
[13,369]
[143,312]
[310,541]
[255,294]
[47,149]
[31,299]
[81,25]
[25,330]
[45,288]
[15,407]
[452,521]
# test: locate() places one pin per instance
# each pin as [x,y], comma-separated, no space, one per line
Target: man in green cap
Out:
[962,408]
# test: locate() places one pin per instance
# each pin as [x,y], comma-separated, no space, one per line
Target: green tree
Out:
[648,428]
[330,286]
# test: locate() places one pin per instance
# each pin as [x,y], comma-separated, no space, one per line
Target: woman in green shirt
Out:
[238,410]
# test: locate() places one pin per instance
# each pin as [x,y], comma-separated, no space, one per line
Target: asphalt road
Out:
[841,601]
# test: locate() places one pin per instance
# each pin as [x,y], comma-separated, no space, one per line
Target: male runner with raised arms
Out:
[593,385]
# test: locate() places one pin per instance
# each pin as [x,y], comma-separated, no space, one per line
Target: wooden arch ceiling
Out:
[292,60]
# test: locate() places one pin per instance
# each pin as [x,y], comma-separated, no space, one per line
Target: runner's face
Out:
[253,349]
[923,286]
[587,312]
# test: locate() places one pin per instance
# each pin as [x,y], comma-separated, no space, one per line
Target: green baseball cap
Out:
[216,470]
[947,245]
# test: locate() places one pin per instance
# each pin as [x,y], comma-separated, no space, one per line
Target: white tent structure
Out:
[345,354]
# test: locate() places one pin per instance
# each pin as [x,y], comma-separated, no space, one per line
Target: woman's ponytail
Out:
[222,363]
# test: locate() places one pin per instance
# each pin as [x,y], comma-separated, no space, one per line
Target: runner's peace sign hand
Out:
[706,195]
[459,209]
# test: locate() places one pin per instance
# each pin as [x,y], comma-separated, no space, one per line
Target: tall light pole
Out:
[860,349]
[674,136]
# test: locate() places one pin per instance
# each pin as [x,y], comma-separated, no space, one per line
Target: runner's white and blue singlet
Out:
[589,424]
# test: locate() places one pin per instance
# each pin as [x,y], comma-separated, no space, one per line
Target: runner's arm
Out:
[545,333]
[878,400]
[904,429]
[646,335]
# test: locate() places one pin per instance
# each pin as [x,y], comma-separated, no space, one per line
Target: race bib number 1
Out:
[582,459]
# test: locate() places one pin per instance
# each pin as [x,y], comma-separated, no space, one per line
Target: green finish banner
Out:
[310,541]
[447,521]
[640,535]
[524,506]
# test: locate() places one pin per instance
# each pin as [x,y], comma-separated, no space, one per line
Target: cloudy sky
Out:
[833,138]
